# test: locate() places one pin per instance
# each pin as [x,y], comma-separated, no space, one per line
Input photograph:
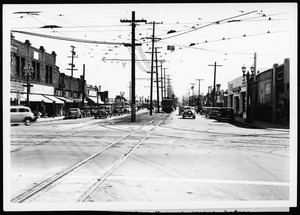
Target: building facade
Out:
[34,75]
[271,97]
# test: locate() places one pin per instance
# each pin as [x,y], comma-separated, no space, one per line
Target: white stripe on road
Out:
[214,181]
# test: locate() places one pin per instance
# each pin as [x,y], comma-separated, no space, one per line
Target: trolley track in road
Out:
[74,130]
[36,190]
[271,135]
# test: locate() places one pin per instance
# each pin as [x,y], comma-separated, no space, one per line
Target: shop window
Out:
[50,74]
[46,74]
[34,70]
[18,71]
[38,71]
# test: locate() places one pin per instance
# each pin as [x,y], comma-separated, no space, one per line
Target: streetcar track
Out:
[228,134]
[73,130]
[46,183]
[100,180]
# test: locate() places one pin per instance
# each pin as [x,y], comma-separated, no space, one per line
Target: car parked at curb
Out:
[214,111]
[21,114]
[225,114]
[73,113]
[189,112]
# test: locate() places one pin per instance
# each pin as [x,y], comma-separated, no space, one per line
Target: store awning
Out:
[64,99]
[57,101]
[15,95]
[39,98]
[94,99]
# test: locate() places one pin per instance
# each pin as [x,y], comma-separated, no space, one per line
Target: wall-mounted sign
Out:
[36,55]
[16,86]
[42,89]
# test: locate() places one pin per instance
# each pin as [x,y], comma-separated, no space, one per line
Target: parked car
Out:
[21,114]
[203,110]
[189,112]
[226,114]
[118,110]
[100,112]
[73,113]
[214,111]
[207,111]
[127,109]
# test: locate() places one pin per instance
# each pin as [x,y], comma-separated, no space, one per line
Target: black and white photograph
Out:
[150,107]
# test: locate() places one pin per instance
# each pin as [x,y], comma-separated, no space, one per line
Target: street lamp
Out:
[28,72]
[250,83]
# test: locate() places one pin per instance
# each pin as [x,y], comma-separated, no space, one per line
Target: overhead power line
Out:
[68,38]
[213,23]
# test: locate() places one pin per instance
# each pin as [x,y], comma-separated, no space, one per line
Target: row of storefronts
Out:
[269,95]
[35,76]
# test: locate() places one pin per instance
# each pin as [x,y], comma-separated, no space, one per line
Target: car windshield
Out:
[188,108]
[73,109]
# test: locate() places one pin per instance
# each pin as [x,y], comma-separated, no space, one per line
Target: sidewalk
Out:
[261,124]
[47,119]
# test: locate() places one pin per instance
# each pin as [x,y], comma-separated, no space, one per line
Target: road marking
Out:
[214,181]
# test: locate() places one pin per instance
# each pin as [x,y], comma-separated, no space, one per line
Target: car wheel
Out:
[27,121]
[194,117]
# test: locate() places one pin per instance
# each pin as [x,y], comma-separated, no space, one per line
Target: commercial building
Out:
[270,98]
[34,75]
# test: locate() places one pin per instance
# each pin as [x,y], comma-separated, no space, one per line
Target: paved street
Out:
[180,160]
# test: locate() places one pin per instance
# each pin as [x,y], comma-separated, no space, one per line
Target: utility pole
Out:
[199,90]
[165,88]
[168,87]
[152,58]
[253,96]
[133,44]
[161,80]
[214,87]
[72,60]
[157,86]
[83,80]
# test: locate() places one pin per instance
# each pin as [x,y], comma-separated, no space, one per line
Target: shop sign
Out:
[16,86]
[42,89]
[92,93]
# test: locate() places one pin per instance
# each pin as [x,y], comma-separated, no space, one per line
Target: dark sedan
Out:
[226,114]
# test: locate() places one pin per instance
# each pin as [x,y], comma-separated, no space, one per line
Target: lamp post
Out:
[250,82]
[28,72]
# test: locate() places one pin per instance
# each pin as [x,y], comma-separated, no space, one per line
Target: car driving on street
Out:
[189,112]
[21,114]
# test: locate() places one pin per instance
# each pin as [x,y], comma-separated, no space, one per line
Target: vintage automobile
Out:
[182,108]
[225,114]
[203,110]
[207,111]
[73,113]
[21,114]
[100,112]
[189,112]
[118,110]
[214,111]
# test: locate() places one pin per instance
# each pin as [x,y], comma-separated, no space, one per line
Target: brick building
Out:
[51,92]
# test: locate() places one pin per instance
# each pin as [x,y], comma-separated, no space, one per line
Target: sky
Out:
[226,33]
